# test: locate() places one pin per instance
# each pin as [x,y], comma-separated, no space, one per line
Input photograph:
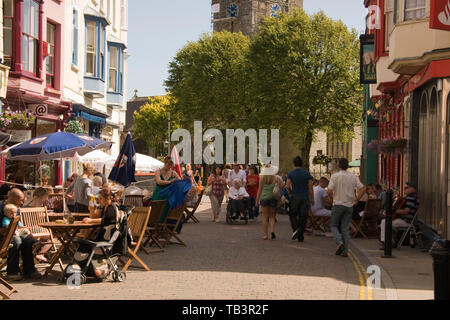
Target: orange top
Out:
[199,189]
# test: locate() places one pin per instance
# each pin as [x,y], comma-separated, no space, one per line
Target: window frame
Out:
[113,88]
[405,10]
[51,45]
[93,52]
[6,56]
[27,36]
[118,87]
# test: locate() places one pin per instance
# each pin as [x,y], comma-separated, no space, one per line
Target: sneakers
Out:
[340,248]
[294,235]
[14,277]
[273,236]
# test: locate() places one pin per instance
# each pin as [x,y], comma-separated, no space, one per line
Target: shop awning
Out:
[81,111]
[355,164]
[92,118]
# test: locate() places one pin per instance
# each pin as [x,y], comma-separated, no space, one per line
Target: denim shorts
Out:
[269,203]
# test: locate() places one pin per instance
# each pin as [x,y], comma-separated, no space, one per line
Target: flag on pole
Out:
[176,162]
[125,165]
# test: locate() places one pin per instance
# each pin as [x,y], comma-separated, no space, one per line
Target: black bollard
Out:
[388,226]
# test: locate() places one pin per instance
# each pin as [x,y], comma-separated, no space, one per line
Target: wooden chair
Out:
[190,211]
[171,224]
[32,218]
[134,200]
[4,246]
[137,222]
[154,226]
[368,220]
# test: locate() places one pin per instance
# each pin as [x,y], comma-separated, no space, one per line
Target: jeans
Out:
[23,244]
[255,210]
[341,217]
[298,214]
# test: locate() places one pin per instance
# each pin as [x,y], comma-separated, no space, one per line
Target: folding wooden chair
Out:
[368,220]
[154,226]
[137,222]
[134,200]
[32,218]
[171,224]
[190,211]
[4,246]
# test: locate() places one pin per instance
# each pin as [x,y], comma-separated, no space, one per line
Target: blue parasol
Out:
[125,166]
[55,146]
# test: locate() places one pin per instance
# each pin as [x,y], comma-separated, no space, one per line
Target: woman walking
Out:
[267,199]
[164,177]
[218,183]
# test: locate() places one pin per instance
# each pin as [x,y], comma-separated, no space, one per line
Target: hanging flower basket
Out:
[16,120]
[388,146]
[321,160]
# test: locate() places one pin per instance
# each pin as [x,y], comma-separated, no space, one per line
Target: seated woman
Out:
[237,198]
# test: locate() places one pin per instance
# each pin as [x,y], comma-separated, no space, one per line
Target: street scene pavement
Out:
[224,261]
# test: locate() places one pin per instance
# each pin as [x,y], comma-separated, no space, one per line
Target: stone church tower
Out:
[246,15]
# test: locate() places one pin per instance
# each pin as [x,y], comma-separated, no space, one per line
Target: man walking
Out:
[299,185]
[343,189]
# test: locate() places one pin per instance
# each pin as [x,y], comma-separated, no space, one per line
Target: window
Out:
[414,9]
[75,38]
[91,47]
[113,64]
[8,14]
[50,63]
[102,54]
[123,14]
[389,17]
[30,35]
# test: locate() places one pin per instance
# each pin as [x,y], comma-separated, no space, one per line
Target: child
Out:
[10,212]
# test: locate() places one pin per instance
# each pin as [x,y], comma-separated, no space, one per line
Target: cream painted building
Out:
[96,66]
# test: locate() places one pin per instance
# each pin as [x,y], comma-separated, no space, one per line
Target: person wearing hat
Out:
[402,217]
[267,200]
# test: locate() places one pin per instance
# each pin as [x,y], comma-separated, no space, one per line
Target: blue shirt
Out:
[6,221]
[300,182]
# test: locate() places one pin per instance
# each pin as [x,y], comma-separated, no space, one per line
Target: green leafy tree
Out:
[208,79]
[305,77]
[151,121]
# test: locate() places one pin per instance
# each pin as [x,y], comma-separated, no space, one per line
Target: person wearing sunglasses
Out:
[402,216]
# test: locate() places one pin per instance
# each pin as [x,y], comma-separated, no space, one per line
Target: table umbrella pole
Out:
[64,190]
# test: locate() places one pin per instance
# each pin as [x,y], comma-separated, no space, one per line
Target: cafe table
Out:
[65,233]
[52,216]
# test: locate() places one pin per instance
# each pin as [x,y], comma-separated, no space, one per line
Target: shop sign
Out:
[368,70]
[40,110]
[440,14]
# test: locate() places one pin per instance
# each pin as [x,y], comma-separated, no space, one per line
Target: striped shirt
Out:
[412,204]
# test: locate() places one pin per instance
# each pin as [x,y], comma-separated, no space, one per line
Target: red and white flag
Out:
[176,161]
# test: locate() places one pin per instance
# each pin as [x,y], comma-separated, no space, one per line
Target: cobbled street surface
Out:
[224,261]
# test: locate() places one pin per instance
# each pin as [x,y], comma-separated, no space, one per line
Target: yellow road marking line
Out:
[363,269]
[362,294]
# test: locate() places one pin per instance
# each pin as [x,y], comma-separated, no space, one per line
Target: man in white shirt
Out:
[343,188]
[237,173]
[321,199]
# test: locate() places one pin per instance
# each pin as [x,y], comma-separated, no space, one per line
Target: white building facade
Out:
[96,66]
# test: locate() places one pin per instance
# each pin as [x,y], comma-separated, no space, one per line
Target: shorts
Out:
[273,203]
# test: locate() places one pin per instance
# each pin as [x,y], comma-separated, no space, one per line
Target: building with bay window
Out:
[95,81]
[33,37]
[411,99]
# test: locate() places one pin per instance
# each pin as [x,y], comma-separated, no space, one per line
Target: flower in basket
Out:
[373,146]
[321,160]
[16,120]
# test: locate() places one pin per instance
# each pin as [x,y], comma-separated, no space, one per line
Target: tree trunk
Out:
[305,149]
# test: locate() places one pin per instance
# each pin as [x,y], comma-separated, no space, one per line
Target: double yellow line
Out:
[363,277]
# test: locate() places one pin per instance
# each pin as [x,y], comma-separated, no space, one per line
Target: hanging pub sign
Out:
[368,68]
[440,14]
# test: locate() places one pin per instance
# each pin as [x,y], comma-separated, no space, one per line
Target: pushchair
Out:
[99,259]
[242,213]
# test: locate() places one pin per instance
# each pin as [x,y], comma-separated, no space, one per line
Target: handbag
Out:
[277,192]
[208,190]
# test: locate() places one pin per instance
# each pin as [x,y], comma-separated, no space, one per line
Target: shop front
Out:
[430,163]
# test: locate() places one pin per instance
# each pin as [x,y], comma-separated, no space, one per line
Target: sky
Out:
[158,29]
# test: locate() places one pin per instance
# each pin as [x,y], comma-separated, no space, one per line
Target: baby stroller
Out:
[242,213]
[99,259]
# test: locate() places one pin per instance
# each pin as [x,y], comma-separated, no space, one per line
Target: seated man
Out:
[402,217]
[236,195]
[321,199]
[20,244]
